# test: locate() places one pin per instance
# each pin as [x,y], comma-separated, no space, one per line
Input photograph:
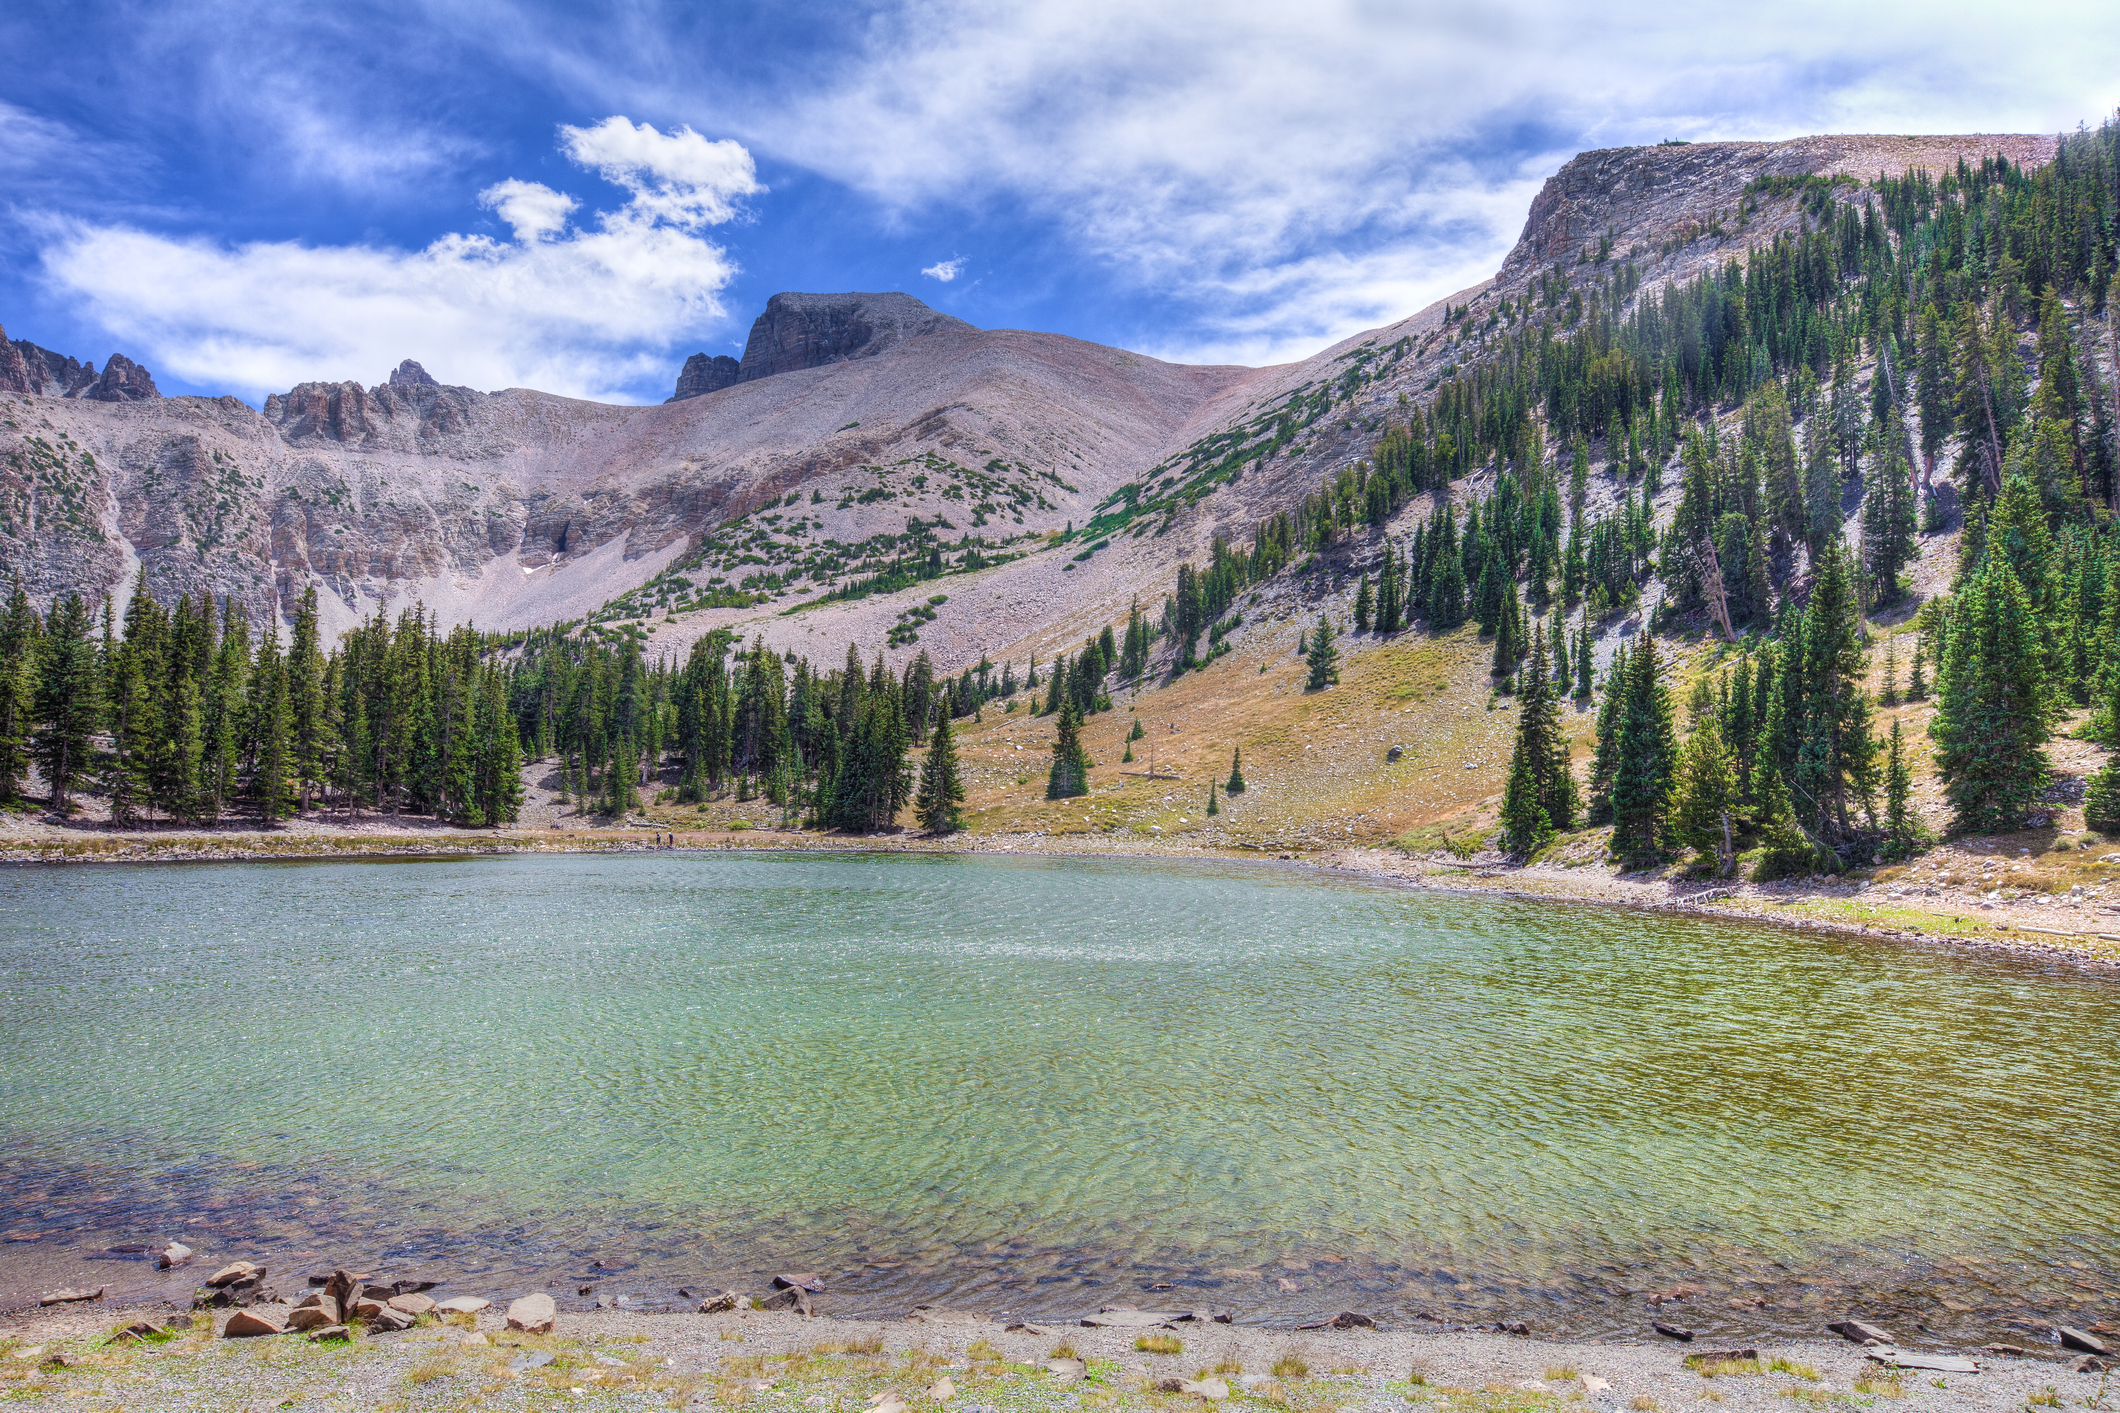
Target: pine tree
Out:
[1890,695]
[1137,733]
[272,749]
[1604,763]
[500,780]
[941,790]
[1323,658]
[1994,706]
[69,701]
[1069,775]
[2101,802]
[19,656]
[1212,807]
[1888,517]
[129,717]
[1836,757]
[1390,605]
[1236,773]
[1585,664]
[1363,603]
[1540,795]
[307,705]
[1647,759]
[1707,796]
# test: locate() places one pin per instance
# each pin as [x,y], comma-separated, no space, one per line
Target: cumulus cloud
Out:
[532,209]
[678,177]
[580,308]
[945,270]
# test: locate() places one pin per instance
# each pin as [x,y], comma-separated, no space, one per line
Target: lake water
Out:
[1037,1086]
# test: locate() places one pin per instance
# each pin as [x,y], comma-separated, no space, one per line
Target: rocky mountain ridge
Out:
[857,428]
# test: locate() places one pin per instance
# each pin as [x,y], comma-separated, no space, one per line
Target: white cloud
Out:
[532,209]
[1202,146]
[678,177]
[584,310]
[946,270]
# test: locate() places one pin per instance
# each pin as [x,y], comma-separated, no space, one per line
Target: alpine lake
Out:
[1035,1086]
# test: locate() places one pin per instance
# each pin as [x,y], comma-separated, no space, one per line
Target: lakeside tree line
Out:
[184,713]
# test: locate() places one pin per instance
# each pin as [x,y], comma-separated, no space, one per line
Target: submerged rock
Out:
[66,1295]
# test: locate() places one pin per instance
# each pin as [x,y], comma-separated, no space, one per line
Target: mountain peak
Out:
[811,330]
[410,374]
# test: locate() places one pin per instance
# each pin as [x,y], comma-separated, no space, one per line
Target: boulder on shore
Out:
[247,1323]
[533,1314]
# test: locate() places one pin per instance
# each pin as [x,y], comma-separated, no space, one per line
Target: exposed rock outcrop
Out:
[122,380]
[811,330]
[26,368]
[14,368]
[409,415]
[410,374]
[703,375]
[51,374]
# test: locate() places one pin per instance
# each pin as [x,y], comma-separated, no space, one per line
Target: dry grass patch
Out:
[1290,1366]
[1159,1344]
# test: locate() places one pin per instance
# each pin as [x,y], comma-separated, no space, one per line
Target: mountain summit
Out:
[800,331]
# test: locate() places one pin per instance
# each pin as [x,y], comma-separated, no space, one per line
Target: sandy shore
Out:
[781,1360]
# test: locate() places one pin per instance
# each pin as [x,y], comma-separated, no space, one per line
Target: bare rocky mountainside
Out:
[857,430]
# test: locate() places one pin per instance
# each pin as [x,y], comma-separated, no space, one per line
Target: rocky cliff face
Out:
[407,416]
[703,375]
[800,331]
[410,374]
[26,368]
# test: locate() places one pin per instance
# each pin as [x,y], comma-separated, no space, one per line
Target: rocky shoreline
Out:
[393,1347]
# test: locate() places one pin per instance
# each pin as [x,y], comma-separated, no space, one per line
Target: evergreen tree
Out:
[1069,775]
[500,781]
[1647,759]
[1705,818]
[1363,603]
[2101,802]
[1236,773]
[941,790]
[1604,762]
[20,632]
[1390,605]
[272,747]
[1585,663]
[1888,517]
[1837,753]
[1994,706]
[1540,795]
[1212,807]
[128,715]
[1323,658]
[69,701]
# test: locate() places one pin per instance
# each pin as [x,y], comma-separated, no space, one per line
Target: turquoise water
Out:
[1039,1085]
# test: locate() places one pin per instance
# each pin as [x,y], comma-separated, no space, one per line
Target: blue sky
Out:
[243,196]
